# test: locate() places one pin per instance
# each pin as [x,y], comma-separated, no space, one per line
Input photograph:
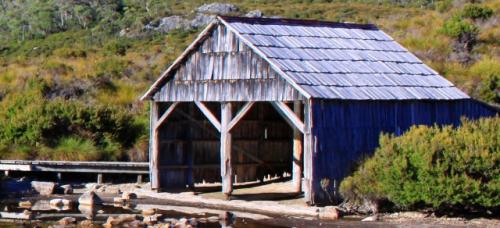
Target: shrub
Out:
[475,11]
[458,28]
[442,167]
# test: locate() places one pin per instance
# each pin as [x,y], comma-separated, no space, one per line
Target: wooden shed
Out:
[253,97]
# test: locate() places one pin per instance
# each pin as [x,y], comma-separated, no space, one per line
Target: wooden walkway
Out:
[99,168]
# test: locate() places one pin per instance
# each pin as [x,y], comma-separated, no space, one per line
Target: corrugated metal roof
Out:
[342,60]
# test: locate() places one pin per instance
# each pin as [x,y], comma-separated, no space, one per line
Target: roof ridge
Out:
[305,22]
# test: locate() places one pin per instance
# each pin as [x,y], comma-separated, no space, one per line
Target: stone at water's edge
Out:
[89,199]
[128,196]
[43,188]
[67,189]
[66,221]
[372,218]
[329,213]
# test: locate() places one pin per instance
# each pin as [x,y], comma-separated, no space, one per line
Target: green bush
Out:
[433,167]
[456,27]
[475,11]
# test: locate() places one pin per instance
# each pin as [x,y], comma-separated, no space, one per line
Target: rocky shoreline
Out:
[152,208]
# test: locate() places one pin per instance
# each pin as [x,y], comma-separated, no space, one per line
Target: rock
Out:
[150,220]
[86,224]
[67,189]
[201,20]
[227,216]
[183,221]
[25,204]
[59,202]
[118,201]
[149,211]
[41,205]
[217,8]
[213,219]
[329,213]
[89,199]
[128,196]
[100,212]
[66,221]
[113,190]
[126,218]
[92,186]
[43,188]
[372,218]
[136,223]
[88,210]
[254,13]
[168,24]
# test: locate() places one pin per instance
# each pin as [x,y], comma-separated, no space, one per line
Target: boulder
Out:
[226,216]
[128,196]
[89,198]
[66,221]
[59,202]
[150,220]
[67,189]
[329,213]
[217,8]
[372,218]
[25,204]
[201,20]
[43,188]
[170,23]
[148,212]
[254,13]
[86,224]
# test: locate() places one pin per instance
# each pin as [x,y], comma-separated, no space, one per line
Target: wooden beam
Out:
[243,111]
[297,151]
[288,115]
[154,149]
[210,116]
[308,153]
[165,115]
[225,150]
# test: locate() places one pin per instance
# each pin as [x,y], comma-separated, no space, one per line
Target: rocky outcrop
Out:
[43,188]
[168,24]
[204,15]
[254,13]
[217,8]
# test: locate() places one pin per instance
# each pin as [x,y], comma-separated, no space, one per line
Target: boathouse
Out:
[257,97]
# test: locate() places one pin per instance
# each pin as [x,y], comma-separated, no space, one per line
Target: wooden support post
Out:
[308,153]
[225,150]
[6,173]
[99,178]
[297,151]
[154,148]
[59,177]
[189,152]
[139,179]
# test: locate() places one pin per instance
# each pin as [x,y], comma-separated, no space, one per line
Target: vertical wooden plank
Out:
[308,153]
[297,151]
[225,150]
[154,153]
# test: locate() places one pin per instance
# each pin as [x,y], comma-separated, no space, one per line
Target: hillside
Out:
[71,72]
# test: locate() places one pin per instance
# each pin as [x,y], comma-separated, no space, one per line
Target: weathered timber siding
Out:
[224,69]
[346,131]
[262,133]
